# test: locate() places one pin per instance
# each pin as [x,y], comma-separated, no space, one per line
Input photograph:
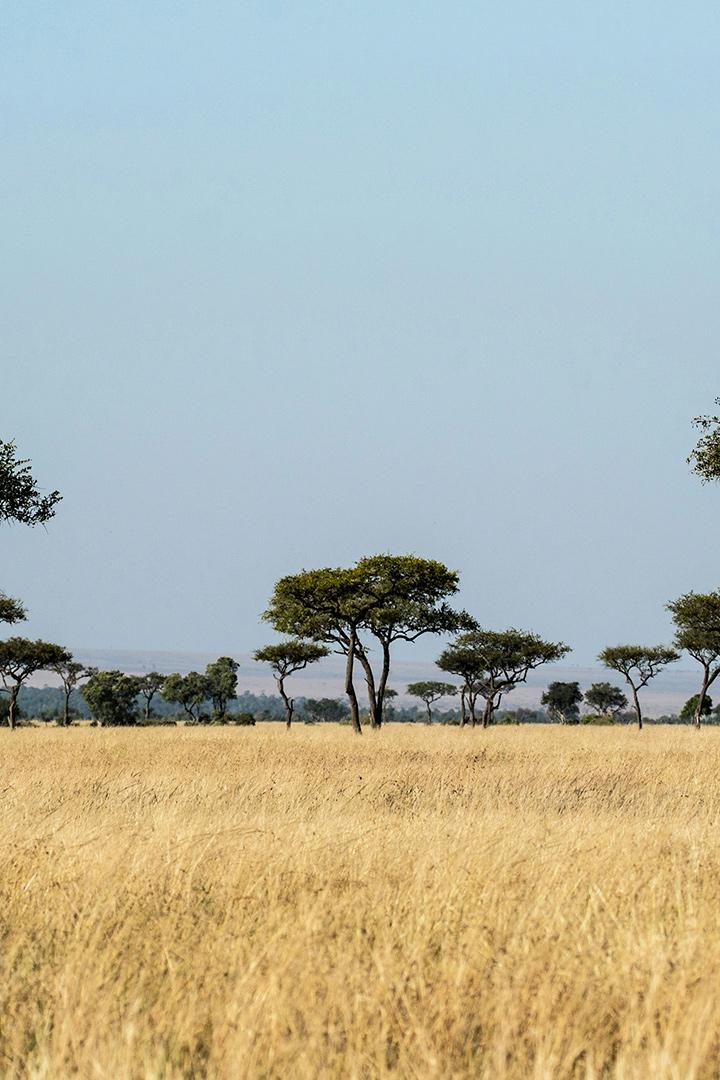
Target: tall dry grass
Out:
[534,902]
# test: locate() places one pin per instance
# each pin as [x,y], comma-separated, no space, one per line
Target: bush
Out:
[245,719]
[596,718]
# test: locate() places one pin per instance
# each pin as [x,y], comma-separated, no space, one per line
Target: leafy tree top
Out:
[11,611]
[20,499]
[395,597]
[324,605]
[21,657]
[697,618]
[563,699]
[638,663]
[411,593]
[287,657]
[606,698]
[429,691]
[495,661]
[705,458]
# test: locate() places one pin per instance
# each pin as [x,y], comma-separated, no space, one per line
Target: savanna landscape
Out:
[225,902]
[359,592]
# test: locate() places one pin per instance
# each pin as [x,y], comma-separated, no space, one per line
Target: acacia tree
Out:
[221,677]
[430,691]
[697,618]
[326,606]
[19,659]
[70,672]
[411,595]
[606,699]
[149,684]
[496,661]
[562,700]
[191,691]
[459,658]
[639,664]
[705,458]
[287,657]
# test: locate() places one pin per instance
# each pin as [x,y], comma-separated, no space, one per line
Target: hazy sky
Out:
[288,283]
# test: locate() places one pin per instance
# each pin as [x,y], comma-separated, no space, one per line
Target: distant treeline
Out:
[47,703]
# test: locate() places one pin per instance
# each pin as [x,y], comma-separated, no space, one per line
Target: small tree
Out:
[688,713]
[19,659]
[639,664]
[112,698]
[606,700]
[191,691]
[562,700]
[221,678]
[430,692]
[697,618]
[285,659]
[705,458]
[149,684]
[459,658]
[495,662]
[70,672]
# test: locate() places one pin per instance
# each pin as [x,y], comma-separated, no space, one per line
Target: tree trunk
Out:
[702,695]
[384,675]
[288,702]
[638,711]
[487,712]
[11,706]
[463,714]
[372,693]
[429,712]
[66,711]
[349,686]
[472,701]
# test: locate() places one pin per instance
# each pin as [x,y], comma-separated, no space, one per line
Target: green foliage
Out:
[149,685]
[221,676]
[287,657]
[431,691]
[20,499]
[492,663]
[606,700]
[562,700]
[388,597]
[639,664]
[705,458]
[70,672]
[112,698]
[191,691]
[697,619]
[11,611]
[690,708]
[20,658]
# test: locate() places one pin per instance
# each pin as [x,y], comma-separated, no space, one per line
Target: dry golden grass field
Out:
[523,902]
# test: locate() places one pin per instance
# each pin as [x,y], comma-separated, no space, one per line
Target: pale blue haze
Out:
[284,284]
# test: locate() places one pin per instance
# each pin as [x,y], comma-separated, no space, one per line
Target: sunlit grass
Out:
[522,902]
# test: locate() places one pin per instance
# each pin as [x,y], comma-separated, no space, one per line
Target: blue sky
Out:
[287,284]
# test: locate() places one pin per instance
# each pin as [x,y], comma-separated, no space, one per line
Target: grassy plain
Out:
[522,902]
